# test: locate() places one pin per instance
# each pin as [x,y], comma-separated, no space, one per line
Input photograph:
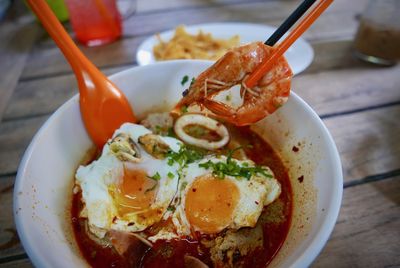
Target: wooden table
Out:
[359,103]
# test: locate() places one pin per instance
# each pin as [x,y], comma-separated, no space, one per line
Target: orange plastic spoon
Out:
[103,106]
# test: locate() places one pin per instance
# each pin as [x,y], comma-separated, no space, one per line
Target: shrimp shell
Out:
[271,92]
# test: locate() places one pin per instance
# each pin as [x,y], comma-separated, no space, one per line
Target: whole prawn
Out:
[271,92]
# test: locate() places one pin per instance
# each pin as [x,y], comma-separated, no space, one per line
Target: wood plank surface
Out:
[333,22]
[50,61]
[367,233]
[334,54]
[337,91]
[17,40]
[24,263]
[368,142]
[31,98]
[327,91]
[336,24]
[15,136]
[9,241]
[148,6]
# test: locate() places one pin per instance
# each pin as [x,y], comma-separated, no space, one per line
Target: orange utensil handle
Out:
[59,35]
[103,106]
[264,67]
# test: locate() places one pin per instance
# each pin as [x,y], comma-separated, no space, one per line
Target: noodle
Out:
[186,46]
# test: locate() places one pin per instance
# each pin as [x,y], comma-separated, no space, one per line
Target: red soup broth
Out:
[276,219]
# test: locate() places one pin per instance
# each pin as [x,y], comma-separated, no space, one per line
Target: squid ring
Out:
[201,120]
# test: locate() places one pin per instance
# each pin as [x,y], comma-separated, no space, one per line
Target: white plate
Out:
[299,56]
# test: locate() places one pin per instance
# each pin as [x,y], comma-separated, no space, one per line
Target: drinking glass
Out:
[378,36]
[95,22]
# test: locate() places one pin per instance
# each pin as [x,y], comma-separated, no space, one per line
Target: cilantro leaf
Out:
[184,80]
[183,185]
[184,156]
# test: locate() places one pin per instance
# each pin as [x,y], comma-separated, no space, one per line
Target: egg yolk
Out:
[210,203]
[136,192]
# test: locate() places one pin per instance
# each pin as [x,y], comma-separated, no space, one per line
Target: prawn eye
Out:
[185,92]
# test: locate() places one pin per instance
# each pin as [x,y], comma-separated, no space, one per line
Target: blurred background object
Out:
[378,36]
[126,8]
[98,22]
[95,22]
[4,4]
[59,8]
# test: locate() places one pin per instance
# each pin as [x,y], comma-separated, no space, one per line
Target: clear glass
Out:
[378,36]
[126,8]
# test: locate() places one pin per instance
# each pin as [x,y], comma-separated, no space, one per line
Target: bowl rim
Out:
[29,245]
[304,260]
[326,227]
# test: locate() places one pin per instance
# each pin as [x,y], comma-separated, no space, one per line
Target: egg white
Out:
[96,179]
[254,194]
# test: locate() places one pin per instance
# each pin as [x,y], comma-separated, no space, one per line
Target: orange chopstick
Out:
[303,25]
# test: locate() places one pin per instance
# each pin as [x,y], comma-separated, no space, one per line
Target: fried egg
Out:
[130,186]
[208,204]
[133,185]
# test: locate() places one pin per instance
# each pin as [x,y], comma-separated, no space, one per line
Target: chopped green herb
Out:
[232,168]
[184,109]
[183,185]
[184,80]
[185,156]
[193,80]
[155,177]
[171,208]
[171,175]
[228,97]
[231,152]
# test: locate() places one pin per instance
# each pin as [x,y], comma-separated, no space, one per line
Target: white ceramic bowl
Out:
[43,187]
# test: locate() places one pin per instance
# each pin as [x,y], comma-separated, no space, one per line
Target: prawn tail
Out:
[175,112]
[221,110]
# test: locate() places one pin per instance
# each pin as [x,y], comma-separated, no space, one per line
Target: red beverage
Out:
[95,22]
